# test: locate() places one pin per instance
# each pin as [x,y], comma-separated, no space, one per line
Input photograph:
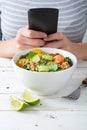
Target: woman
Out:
[71,27]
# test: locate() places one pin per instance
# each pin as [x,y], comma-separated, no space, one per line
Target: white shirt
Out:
[72,16]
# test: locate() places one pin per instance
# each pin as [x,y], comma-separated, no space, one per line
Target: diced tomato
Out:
[59,58]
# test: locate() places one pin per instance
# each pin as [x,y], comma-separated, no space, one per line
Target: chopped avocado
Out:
[67,59]
[47,57]
[35,59]
[53,67]
[43,68]
[32,56]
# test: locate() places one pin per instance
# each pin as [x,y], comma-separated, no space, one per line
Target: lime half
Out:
[18,104]
[30,98]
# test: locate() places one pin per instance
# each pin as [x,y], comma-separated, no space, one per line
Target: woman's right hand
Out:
[26,38]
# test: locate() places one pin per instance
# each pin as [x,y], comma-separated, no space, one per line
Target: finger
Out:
[23,47]
[32,42]
[55,44]
[36,34]
[33,34]
[55,36]
[27,26]
[35,42]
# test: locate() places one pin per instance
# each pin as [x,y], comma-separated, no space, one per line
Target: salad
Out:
[41,61]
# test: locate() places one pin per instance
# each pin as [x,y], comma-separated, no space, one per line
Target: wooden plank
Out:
[48,103]
[43,120]
[52,113]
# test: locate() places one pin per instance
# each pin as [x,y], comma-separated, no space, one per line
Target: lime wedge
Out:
[18,104]
[30,98]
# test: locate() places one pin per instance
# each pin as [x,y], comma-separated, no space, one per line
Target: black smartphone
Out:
[43,19]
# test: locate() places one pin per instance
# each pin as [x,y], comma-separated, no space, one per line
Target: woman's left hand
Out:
[59,40]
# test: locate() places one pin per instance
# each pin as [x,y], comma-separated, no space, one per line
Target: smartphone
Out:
[43,19]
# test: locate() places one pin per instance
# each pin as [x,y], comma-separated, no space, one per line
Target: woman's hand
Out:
[29,38]
[24,39]
[59,40]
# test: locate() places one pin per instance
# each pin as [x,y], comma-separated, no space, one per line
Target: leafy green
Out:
[23,56]
[30,55]
[67,59]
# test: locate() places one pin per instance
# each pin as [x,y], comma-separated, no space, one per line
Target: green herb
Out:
[30,55]
[67,59]
[23,56]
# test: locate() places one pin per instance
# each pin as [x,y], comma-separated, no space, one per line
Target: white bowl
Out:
[45,83]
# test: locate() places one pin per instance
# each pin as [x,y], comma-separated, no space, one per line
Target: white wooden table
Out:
[54,112]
